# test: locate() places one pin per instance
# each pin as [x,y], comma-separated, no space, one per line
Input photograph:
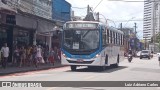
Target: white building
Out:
[151,24]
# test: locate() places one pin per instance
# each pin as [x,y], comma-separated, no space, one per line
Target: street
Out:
[137,70]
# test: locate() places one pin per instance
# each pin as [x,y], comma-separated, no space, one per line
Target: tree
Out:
[158,39]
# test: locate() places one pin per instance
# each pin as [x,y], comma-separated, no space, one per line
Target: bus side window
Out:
[118,38]
[108,36]
[104,43]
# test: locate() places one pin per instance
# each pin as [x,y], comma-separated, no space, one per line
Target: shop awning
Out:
[7,8]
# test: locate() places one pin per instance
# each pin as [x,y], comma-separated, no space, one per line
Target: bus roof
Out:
[96,22]
[83,22]
[115,30]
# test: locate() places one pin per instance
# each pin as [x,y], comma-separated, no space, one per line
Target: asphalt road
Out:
[137,70]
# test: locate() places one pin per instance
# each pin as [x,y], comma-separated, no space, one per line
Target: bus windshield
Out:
[81,41]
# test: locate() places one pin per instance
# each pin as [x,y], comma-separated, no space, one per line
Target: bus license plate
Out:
[80,60]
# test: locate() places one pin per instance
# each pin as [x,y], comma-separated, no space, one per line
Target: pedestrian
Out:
[159,60]
[22,56]
[46,54]
[59,55]
[29,55]
[55,53]
[16,56]
[33,56]
[5,55]
[51,57]
[39,55]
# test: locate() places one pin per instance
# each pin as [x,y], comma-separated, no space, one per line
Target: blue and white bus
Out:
[91,43]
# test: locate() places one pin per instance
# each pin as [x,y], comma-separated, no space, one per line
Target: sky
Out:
[116,11]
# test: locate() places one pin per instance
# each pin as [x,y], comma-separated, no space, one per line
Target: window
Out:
[103,37]
[110,36]
[107,36]
[116,38]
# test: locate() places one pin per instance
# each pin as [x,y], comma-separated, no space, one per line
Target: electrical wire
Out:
[97,5]
[79,7]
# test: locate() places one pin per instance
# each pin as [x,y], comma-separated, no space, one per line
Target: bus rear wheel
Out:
[73,68]
[116,64]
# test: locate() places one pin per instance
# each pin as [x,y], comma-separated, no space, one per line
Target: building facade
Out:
[61,10]
[21,28]
[151,23]
[42,8]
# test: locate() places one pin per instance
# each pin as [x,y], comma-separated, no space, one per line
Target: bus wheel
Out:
[117,64]
[73,68]
[102,68]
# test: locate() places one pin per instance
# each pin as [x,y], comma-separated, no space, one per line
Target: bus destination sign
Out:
[82,25]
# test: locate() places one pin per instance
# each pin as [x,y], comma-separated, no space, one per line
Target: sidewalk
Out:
[13,69]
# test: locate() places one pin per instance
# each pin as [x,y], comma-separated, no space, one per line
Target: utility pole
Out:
[135,40]
[145,43]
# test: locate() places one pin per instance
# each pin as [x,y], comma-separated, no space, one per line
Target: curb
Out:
[29,70]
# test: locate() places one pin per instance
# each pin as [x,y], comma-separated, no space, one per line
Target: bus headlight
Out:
[97,55]
[63,55]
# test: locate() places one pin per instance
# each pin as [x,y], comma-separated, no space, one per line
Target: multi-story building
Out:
[148,23]
[151,24]
[61,10]
[42,8]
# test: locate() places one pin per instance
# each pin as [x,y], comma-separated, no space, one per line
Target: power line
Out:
[80,7]
[130,20]
[97,5]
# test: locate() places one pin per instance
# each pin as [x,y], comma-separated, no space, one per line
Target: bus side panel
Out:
[122,53]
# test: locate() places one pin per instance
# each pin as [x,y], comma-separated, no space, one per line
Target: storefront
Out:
[22,37]
[3,36]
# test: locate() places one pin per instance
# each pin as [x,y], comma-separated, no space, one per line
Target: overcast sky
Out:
[117,11]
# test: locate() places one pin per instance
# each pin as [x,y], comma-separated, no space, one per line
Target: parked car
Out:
[145,54]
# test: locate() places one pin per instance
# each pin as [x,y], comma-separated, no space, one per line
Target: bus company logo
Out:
[6,84]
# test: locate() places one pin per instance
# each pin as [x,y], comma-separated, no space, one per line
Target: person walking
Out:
[22,56]
[39,55]
[51,57]
[5,55]
[29,55]
[46,54]
[33,55]
[16,56]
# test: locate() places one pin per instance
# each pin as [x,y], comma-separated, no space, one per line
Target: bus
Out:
[91,43]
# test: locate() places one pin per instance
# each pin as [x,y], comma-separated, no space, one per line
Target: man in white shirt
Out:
[5,55]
